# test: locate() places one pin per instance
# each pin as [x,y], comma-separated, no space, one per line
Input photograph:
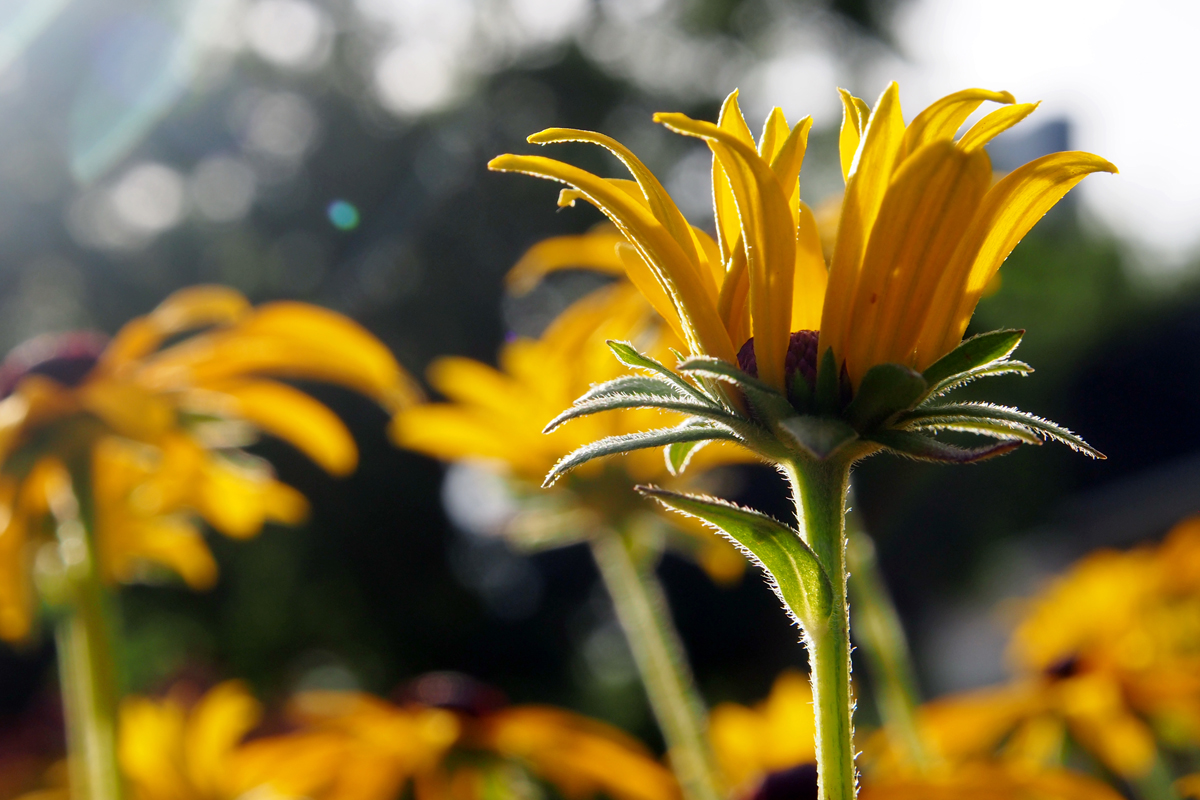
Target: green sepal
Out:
[618,401]
[977,351]
[628,355]
[800,394]
[793,569]
[885,390]
[766,402]
[950,414]
[1004,367]
[925,448]
[821,437]
[614,445]
[678,454]
[828,391]
[632,384]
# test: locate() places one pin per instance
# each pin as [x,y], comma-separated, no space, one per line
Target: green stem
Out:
[642,611]
[87,669]
[881,635]
[819,489]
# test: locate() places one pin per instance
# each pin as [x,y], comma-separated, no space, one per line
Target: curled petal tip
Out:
[497,164]
[1007,97]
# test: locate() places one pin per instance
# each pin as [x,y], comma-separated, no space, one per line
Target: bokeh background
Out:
[334,150]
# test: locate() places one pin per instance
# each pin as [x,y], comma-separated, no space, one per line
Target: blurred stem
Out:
[819,489]
[881,635]
[642,611]
[1155,784]
[87,670]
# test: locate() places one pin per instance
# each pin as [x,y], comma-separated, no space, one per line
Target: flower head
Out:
[922,230]
[147,429]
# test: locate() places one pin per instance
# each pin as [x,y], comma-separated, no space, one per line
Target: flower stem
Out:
[819,489]
[642,611]
[882,638]
[87,669]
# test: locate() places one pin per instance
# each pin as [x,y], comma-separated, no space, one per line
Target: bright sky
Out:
[1122,71]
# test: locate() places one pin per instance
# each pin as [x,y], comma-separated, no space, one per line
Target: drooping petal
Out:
[186,309]
[943,118]
[926,210]
[767,236]
[224,715]
[869,176]
[657,199]
[295,417]
[703,330]
[1007,212]
[595,250]
[995,124]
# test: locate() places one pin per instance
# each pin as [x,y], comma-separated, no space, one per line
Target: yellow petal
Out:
[595,250]
[452,434]
[150,747]
[995,124]
[729,229]
[238,500]
[768,237]
[786,163]
[869,176]
[943,118]
[225,714]
[295,417]
[927,209]
[851,131]
[775,131]
[703,328]
[641,276]
[16,593]
[657,199]
[186,309]
[1008,211]
[808,289]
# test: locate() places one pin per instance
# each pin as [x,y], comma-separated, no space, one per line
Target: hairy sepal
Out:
[615,445]
[1003,367]
[819,437]
[911,444]
[950,414]
[633,384]
[792,569]
[628,355]
[767,403]
[978,351]
[583,408]
[885,390]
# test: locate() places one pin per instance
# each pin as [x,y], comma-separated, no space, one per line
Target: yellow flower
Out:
[351,746]
[156,417]
[775,735]
[1115,645]
[923,228]
[499,416]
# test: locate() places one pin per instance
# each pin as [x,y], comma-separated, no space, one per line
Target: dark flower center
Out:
[797,783]
[801,355]
[1063,668]
[453,691]
[65,357]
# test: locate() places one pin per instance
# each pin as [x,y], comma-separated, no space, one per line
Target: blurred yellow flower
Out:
[923,229]
[147,428]
[351,746]
[497,416]
[774,735]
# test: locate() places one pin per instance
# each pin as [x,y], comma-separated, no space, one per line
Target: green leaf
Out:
[792,568]
[982,427]
[820,436]
[628,355]
[828,392]
[619,401]
[986,371]
[767,403]
[986,348]
[613,445]
[950,413]
[925,448]
[633,384]
[884,390]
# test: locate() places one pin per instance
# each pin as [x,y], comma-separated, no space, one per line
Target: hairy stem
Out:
[881,636]
[84,638]
[642,611]
[819,489]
